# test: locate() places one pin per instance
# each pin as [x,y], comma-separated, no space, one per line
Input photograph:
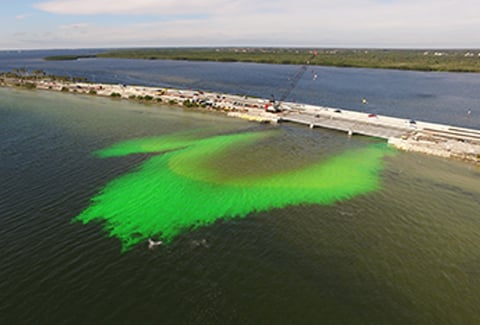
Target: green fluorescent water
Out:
[178,191]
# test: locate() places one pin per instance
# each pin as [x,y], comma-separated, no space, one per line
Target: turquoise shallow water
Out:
[403,252]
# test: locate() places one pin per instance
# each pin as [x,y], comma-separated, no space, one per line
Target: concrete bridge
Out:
[351,126]
[430,138]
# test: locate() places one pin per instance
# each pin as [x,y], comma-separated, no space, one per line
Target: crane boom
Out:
[294,82]
[291,86]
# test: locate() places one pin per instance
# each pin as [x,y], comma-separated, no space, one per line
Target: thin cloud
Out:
[369,13]
[21,17]
[377,23]
[113,7]
[74,26]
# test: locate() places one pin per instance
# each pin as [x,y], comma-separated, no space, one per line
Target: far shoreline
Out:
[459,61]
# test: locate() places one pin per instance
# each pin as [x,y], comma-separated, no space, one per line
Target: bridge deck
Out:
[369,128]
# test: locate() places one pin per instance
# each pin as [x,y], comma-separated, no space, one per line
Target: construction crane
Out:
[275,106]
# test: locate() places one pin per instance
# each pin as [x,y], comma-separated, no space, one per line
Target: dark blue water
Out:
[428,96]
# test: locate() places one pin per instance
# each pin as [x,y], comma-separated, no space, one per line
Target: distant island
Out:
[420,60]
[68,57]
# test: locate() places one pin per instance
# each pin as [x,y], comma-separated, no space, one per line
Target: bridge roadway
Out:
[352,122]
[429,138]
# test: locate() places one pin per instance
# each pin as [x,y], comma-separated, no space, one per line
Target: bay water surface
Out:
[404,251]
[428,96]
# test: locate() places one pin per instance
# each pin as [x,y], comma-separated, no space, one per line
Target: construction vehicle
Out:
[274,105]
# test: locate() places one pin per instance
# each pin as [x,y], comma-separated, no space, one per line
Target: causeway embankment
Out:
[441,140]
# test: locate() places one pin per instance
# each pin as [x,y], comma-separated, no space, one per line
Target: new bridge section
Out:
[350,122]
[408,135]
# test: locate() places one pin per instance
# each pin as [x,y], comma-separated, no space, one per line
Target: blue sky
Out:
[43,24]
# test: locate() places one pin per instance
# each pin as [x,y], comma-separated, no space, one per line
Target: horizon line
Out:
[446,48]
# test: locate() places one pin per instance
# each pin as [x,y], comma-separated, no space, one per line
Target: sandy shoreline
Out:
[237,105]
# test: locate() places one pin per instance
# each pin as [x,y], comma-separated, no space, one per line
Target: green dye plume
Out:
[177,191]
